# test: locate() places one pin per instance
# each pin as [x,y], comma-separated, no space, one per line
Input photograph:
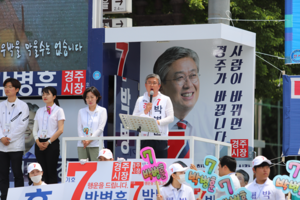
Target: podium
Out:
[139,124]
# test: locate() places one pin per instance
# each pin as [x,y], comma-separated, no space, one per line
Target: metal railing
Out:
[138,139]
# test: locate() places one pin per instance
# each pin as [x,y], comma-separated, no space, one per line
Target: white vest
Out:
[157,112]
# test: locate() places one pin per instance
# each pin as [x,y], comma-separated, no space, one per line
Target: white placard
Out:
[117,23]
[117,6]
[50,192]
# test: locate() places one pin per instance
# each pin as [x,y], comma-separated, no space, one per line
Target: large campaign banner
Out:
[66,82]
[94,180]
[291,116]
[125,95]
[98,180]
[292,32]
[39,35]
[211,85]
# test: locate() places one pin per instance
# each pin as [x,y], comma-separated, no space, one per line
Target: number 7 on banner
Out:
[90,169]
[225,183]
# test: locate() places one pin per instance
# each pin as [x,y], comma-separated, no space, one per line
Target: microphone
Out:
[151,95]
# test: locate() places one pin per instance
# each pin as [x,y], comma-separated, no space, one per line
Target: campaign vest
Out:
[158,110]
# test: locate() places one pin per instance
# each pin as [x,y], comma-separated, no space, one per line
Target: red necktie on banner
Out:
[185,153]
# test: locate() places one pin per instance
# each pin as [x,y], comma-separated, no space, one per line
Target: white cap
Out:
[259,160]
[33,166]
[176,167]
[106,153]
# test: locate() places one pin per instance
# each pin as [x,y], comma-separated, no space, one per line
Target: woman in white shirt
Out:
[35,173]
[48,126]
[174,188]
[91,123]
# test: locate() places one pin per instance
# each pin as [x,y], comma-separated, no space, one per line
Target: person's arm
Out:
[3,139]
[100,129]
[279,195]
[1,128]
[103,120]
[193,167]
[160,197]
[18,132]
[60,130]
[36,137]
[136,110]
[169,113]
[35,130]
[79,125]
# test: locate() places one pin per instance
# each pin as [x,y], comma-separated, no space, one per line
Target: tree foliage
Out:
[269,36]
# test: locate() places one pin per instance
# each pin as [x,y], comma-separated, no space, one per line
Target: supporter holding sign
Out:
[159,107]
[262,187]
[91,123]
[48,126]
[13,123]
[289,184]
[227,166]
[174,188]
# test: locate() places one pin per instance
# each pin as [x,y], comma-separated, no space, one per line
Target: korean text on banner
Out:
[104,180]
[289,183]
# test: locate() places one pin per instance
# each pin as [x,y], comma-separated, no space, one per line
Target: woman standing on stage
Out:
[174,188]
[48,126]
[91,123]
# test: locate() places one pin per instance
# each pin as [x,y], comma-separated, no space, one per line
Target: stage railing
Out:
[191,139]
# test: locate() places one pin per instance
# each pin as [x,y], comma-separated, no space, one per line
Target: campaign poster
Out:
[98,180]
[126,93]
[145,190]
[211,85]
[43,35]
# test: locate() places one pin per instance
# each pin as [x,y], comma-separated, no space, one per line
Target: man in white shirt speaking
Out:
[159,107]
[227,166]
[262,187]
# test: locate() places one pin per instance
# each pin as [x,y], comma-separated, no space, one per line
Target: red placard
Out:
[73,82]
[136,168]
[239,148]
[121,171]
